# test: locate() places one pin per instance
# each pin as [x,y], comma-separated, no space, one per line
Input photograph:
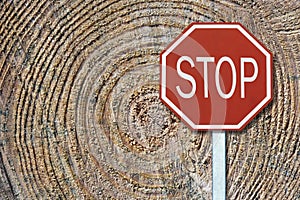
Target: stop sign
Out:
[216,76]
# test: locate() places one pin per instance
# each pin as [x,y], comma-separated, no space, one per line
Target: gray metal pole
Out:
[219,165]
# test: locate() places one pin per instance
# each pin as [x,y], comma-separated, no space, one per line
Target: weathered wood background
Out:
[80,115]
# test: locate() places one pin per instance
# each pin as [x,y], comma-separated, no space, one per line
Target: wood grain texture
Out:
[80,115]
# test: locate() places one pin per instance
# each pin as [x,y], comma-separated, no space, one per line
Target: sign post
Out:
[216,76]
[219,165]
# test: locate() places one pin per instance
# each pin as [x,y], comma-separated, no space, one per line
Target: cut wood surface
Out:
[81,118]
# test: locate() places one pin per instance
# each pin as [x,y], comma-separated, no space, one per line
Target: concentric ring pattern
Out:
[81,118]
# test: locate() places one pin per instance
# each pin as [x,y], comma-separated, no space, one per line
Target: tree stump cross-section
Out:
[81,118]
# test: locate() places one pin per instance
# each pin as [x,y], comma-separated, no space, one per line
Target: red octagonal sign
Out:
[216,76]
